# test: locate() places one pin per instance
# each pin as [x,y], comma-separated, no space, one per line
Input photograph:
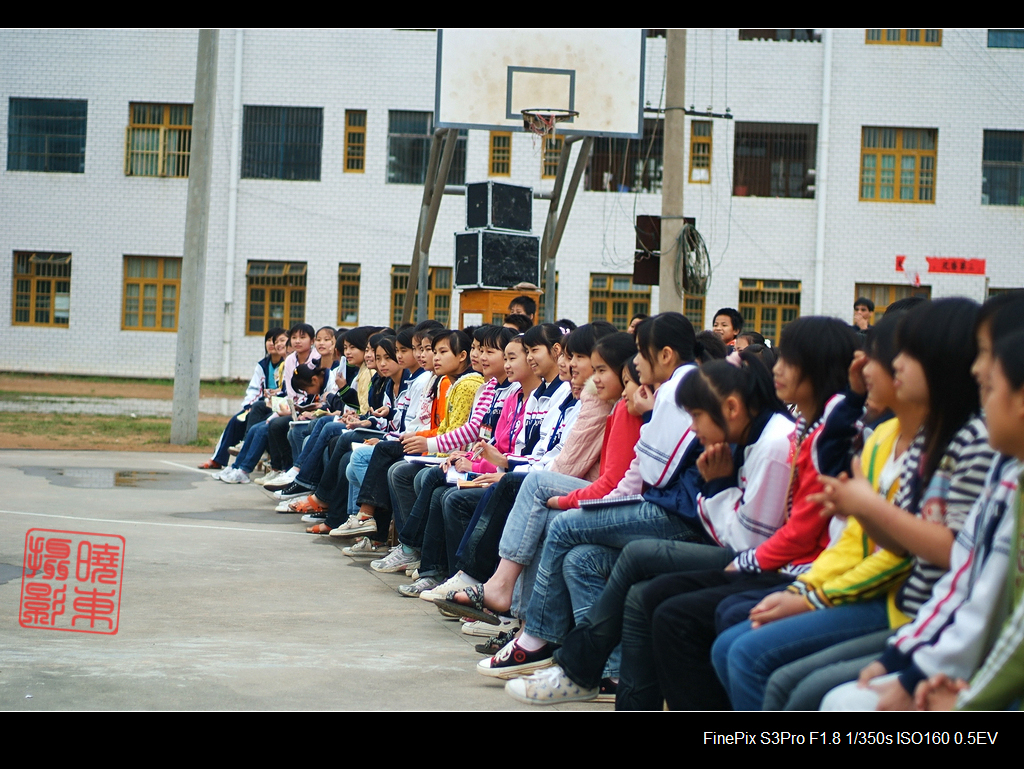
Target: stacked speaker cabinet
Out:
[496,250]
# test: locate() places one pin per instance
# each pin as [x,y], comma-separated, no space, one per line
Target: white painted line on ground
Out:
[154,523]
[185,467]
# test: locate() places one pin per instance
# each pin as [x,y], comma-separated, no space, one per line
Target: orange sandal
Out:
[209,464]
[306,506]
[319,528]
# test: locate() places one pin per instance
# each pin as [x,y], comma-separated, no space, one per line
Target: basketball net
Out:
[542,122]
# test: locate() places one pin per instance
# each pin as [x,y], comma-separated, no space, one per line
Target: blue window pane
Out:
[46,135]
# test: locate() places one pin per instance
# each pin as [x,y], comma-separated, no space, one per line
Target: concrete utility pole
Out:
[185,416]
[672,173]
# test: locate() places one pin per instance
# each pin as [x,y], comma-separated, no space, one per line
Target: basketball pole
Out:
[184,408]
[672,179]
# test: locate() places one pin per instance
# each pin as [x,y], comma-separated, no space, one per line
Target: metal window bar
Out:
[282,143]
[46,135]
[774,160]
[618,165]
[409,137]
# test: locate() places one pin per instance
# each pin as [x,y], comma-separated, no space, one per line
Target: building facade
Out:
[877,162]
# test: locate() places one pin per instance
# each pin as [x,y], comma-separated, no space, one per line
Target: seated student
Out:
[302,356]
[422,534]
[728,324]
[570,438]
[422,419]
[266,377]
[635,321]
[523,305]
[748,338]
[313,505]
[666,346]
[850,588]
[741,502]
[546,494]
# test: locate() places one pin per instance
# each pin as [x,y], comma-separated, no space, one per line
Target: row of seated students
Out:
[653,518]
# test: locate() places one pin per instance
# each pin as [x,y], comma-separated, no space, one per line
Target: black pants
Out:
[676,667]
[277,443]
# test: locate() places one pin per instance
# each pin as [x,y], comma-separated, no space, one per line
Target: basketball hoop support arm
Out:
[554,226]
[433,191]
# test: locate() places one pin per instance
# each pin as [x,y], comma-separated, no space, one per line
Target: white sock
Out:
[530,643]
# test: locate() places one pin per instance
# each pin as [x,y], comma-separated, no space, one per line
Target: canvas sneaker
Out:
[268,477]
[456,583]
[513,661]
[365,548]
[311,517]
[234,475]
[397,560]
[483,629]
[417,587]
[353,527]
[549,687]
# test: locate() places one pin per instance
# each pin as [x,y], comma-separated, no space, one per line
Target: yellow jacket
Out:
[855,568]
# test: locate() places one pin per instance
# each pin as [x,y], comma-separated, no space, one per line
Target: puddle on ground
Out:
[9,572]
[109,478]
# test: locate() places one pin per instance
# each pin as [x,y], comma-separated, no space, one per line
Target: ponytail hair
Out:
[742,373]
[616,350]
[669,329]
[303,376]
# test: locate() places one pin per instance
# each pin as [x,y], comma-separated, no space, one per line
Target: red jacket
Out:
[617,451]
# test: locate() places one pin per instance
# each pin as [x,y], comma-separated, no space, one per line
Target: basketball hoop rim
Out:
[542,120]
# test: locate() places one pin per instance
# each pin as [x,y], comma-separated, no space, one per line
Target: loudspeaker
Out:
[496,259]
[499,206]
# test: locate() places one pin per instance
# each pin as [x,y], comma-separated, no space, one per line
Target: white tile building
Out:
[957,90]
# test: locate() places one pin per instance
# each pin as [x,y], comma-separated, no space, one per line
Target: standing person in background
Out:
[523,305]
[728,324]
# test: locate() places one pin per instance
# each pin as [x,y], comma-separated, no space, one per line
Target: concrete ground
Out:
[225,604]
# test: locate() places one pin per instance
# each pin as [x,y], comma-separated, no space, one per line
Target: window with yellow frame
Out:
[552,155]
[616,299]
[439,294]
[348,294]
[768,306]
[42,289]
[151,288]
[884,294]
[355,141]
[693,309]
[897,165]
[700,152]
[275,296]
[903,36]
[501,153]
[158,140]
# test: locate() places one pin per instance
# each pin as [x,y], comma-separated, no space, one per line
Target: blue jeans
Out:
[458,508]
[527,526]
[253,448]
[297,435]
[745,658]
[311,460]
[549,615]
[618,614]
[233,433]
[355,472]
[586,570]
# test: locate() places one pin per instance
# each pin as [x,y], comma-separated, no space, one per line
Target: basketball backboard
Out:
[486,77]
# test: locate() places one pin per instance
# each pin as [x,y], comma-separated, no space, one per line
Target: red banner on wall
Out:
[956,264]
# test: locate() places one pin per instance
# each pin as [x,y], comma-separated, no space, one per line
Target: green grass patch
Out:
[78,428]
[214,388]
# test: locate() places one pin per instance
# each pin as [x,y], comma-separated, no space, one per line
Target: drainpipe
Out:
[821,176]
[229,262]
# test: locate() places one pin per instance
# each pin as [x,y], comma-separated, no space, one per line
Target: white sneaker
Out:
[282,507]
[353,527]
[365,548]
[397,560]
[270,477]
[417,587]
[549,687]
[234,475]
[484,630]
[439,593]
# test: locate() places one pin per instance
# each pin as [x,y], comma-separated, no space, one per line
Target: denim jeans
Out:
[586,570]
[587,647]
[457,508]
[233,433]
[527,526]
[430,480]
[549,615]
[745,658]
[401,478]
[355,472]
[478,552]
[297,435]
[801,685]
[253,448]
[312,459]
